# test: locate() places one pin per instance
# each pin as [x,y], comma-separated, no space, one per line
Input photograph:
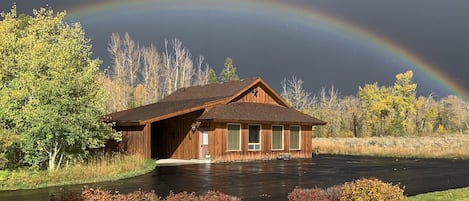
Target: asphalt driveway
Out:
[273,180]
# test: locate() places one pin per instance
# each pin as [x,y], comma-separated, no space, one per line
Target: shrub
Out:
[371,190]
[98,194]
[316,194]
[182,196]
[218,196]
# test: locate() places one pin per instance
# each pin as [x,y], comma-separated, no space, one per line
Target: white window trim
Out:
[272,138]
[240,137]
[260,138]
[299,138]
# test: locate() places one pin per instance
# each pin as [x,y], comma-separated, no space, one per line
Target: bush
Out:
[182,196]
[316,194]
[95,194]
[218,196]
[371,190]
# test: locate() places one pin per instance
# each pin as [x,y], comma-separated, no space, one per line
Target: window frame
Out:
[299,138]
[240,137]
[260,138]
[272,138]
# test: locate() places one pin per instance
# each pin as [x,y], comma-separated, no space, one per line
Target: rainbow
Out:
[305,15]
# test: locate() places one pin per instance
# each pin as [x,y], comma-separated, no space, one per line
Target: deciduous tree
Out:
[49,92]
[294,93]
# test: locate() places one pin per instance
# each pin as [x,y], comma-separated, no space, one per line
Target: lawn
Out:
[461,194]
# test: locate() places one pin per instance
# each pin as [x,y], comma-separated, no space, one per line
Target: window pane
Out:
[234,138]
[254,134]
[205,137]
[254,143]
[294,137]
[277,137]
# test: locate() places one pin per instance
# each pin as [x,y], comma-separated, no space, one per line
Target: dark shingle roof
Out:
[182,101]
[155,111]
[215,90]
[257,112]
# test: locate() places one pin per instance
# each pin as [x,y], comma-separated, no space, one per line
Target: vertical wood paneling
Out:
[261,96]
[136,140]
[218,151]
[286,132]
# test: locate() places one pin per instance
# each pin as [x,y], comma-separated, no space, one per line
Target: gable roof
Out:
[210,91]
[243,112]
[190,99]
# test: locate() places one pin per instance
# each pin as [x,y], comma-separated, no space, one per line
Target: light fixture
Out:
[193,127]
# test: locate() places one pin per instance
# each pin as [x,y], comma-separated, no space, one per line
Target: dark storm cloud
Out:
[435,30]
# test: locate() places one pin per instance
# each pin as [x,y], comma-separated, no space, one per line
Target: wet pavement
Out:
[273,180]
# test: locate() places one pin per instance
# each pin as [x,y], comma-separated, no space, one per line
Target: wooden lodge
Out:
[230,121]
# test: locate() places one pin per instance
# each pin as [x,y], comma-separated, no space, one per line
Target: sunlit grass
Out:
[461,194]
[103,168]
[449,146]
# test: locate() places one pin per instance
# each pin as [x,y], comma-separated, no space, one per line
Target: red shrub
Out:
[316,194]
[217,196]
[182,196]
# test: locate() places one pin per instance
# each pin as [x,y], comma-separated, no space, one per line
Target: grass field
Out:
[106,168]
[461,194]
[447,146]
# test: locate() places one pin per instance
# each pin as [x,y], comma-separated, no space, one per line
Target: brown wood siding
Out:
[261,96]
[218,152]
[136,140]
[175,139]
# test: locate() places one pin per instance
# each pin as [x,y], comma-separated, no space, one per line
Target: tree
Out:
[151,74]
[403,103]
[330,110]
[212,76]
[50,92]
[8,139]
[294,93]
[376,108]
[390,106]
[425,115]
[156,75]
[119,88]
[201,75]
[458,114]
[229,71]
[352,115]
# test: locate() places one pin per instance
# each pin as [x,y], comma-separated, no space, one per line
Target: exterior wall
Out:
[261,96]
[135,140]
[173,138]
[218,146]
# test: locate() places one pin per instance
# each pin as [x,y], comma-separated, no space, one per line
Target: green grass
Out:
[105,168]
[461,194]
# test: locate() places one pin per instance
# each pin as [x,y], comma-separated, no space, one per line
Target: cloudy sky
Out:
[324,42]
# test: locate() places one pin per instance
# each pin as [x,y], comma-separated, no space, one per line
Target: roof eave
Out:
[262,122]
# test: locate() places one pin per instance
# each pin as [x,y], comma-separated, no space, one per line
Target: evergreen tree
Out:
[212,76]
[229,71]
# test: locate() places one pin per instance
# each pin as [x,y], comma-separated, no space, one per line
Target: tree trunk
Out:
[53,153]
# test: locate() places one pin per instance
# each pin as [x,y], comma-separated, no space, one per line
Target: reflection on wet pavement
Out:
[273,180]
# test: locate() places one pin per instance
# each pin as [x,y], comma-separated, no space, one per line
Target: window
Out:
[295,138]
[277,137]
[233,140]
[204,137]
[254,143]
